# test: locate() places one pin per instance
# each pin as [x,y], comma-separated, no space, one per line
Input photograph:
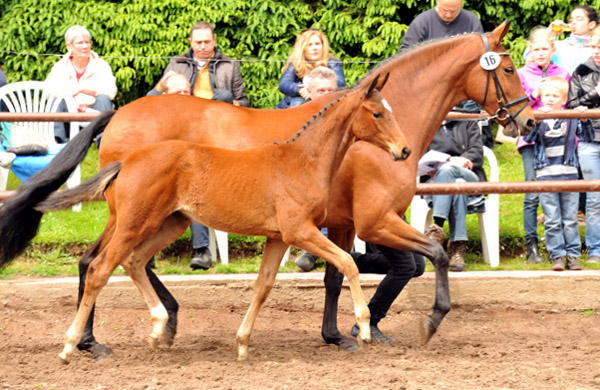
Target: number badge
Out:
[490,60]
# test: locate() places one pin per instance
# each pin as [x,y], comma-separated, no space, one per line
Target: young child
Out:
[538,68]
[556,159]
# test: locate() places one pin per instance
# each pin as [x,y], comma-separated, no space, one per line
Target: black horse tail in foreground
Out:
[19,220]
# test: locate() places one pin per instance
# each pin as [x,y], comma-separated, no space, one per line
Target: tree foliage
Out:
[137,37]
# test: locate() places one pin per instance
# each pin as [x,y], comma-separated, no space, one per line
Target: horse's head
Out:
[503,95]
[374,122]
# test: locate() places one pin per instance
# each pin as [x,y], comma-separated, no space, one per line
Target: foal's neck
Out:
[323,141]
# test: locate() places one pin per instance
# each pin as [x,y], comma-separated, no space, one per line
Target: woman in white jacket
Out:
[83,75]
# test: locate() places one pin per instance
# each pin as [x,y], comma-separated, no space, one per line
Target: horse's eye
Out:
[377,114]
[509,70]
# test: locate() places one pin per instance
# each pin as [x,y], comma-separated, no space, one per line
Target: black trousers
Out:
[399,267]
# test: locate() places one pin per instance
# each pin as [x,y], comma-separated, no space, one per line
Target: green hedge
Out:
[138,37]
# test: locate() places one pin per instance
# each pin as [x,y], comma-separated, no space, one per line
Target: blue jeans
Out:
[453,208]
[589,162]
[530,204]
[562,234]
[62,134]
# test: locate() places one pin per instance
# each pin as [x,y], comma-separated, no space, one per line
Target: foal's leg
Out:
[98,274]
[88,341]
[309,238]
[392,231]
[173,227]
[274,251]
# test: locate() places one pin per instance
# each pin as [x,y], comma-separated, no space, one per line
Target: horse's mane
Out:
[318,116]
[411,53]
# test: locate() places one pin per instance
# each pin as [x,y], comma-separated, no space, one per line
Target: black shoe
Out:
[151,263]
[377,336]
[533,252]
[306,261]
[202,259]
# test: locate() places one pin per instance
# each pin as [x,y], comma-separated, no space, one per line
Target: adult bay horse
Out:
[367,194]
[279,191]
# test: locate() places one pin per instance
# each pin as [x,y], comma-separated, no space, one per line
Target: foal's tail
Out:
[19,220]
[90,190]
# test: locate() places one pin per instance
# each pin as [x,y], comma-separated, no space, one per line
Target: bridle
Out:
[489,61]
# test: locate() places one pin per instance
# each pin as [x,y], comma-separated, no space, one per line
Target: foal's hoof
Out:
[427,329]
[153,342]
[100,352]
[62,358]
[168,336]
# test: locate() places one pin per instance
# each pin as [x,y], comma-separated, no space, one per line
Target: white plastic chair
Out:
[218,240]
[31,96]
[421,215]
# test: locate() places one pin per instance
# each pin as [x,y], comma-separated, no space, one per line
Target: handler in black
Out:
[399,267]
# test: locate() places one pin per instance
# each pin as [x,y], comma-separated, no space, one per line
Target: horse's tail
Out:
[90,190]
[19,221]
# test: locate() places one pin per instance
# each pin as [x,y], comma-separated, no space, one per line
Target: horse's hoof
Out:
[427,329]
[100,352]
[168,337]
[347,344]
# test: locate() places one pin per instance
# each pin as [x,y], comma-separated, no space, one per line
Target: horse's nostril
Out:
[405,152]
[531,123]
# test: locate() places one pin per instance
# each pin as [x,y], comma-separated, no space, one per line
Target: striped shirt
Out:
[555,139]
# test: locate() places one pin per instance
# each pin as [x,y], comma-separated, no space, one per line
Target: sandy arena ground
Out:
[519,330]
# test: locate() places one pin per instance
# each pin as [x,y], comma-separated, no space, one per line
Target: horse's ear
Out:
[501,31]
[382,82]
[373,86]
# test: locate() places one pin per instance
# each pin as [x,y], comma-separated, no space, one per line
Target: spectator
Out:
[556,159]
[533,76]
[320,81]
[461,146]
[211,75]
[575,49]
[446,19]
[82,74]
[310,50]
[584,91]
[175,84]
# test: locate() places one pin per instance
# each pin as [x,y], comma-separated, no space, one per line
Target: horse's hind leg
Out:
[172,227]
[394,232]
[273,253]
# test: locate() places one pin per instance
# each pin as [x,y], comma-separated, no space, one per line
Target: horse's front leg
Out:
[274,251]
[333,288]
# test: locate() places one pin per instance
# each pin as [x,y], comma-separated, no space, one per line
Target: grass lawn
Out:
[64,235]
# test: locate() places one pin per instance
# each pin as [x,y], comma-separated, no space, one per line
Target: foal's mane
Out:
[318,116]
